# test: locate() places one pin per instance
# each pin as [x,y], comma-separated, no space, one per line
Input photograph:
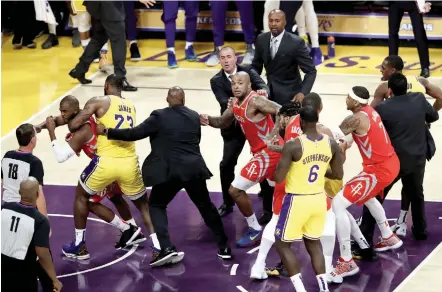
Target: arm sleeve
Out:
[41,234]
[62,152]
[37,171]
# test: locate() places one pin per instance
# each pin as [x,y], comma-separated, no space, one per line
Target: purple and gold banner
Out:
[343,25]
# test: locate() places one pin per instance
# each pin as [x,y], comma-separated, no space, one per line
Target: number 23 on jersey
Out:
[120,119]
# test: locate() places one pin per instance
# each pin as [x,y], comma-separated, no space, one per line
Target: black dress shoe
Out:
[265,218]
[425,72]
[127,86]
[50,42]
[366,254]
[80,77]
[225,210]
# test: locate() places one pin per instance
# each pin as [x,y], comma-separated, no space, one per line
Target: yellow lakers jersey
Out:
[307,175]
[120,115]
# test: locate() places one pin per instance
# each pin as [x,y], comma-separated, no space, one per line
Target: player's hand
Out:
[57,286]
[100,129]
[148,3]
[262,92]
[343,145]
[272,141]
[299,97]
[231,102]
[37,129]
[50,124]
[204,120]
[427,8]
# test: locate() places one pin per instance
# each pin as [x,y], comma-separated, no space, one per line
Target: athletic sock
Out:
[120,224]
[322,282]
[253,222]
[156,243]
[79,236]
[297,283]
[402,217]
[188,44]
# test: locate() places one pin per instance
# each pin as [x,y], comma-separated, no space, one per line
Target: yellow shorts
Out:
[102,171]
[332,187]
[301,216]
[77,6]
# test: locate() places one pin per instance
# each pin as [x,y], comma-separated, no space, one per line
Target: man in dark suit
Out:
[233,136]
[408,136]
[108,21]
[281,53]
[175,135]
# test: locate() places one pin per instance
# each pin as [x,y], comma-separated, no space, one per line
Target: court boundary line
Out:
[48,106]
[233,269]
[126,255]
[418,268]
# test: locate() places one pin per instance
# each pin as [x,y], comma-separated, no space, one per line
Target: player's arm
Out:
[223,121]
[64,151]
[349,125]
[266,106]
[336,170]
[37,171]
[90,108]
[433,91]
[286,159]
[379,94]
[58,122]
[143,130]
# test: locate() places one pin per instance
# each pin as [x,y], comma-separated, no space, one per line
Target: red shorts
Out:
[371,181]
[110,191]
[261,166]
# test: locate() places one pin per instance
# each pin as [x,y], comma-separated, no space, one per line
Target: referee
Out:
[108,22]
[25,236]
[17,166]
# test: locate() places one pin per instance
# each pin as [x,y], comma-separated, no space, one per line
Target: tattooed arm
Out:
[223,121]
[268,107]
[350,124]
[83,116]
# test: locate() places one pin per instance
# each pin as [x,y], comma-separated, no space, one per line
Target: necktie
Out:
[230,77]
[273,48]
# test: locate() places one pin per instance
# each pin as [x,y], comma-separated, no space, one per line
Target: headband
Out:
[357,98]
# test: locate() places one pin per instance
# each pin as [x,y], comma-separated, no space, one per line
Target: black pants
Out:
[162,194]
[233,145]
[115,31]
[395,14]
[412,190]
[290,8]
[258,13]
[23,19]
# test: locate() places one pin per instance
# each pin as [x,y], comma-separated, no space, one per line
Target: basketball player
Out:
[85,139]
[114,161]
[304,165]
[380,167]
[253,112]
[394,64]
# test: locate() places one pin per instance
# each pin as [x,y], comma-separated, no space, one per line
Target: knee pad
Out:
[84,22]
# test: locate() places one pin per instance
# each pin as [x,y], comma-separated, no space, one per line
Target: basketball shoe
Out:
[393,242]
[277,271]
[225,253]
[343,269]
[137,240]
[130,236]
[166,256]
[76,251]
[251,238]
[400,229]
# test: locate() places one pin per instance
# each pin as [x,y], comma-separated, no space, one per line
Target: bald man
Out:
[282,54]
[25,236]
[174,130]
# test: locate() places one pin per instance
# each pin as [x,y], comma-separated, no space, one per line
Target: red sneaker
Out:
[393,242]
[343,269]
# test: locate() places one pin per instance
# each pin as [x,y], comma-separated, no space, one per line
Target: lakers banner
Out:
[345,25]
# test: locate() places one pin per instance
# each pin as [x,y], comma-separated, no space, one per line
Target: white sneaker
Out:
[400,229]
[258,272]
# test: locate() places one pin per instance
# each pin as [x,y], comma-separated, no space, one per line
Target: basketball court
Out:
[414,267]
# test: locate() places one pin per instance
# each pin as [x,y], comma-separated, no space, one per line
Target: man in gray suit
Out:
[108,21]
[281,54]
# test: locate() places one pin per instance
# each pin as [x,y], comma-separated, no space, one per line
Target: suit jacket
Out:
[282,72]
[222,88]
[409,133]
[106,10]
[175,134]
